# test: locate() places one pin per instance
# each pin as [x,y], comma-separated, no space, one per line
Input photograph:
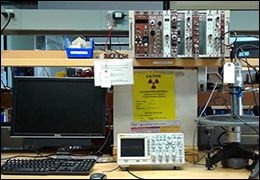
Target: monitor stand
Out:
[63,153]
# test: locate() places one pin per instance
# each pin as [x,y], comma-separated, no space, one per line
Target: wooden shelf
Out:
[22,58]
[177,63]
[54,58]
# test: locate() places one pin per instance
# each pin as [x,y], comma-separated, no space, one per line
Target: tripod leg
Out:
[219,156]
[229,151]
[255,171]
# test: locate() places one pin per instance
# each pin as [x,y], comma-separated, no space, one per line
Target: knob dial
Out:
[174,19]
[174,37]
[152,22]
[153,156]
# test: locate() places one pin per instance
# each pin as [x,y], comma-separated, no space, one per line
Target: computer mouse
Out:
[98,176]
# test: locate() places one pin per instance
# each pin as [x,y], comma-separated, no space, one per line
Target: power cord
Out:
[127,169]
[19,156]
[197,123]
[197,163]
[5,14]
[99,151]
[220,136]
[223,35]
[5,86]
[109,171]
[248,67]
[109,33]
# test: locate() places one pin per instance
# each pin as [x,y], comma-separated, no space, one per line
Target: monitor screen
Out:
[58,108]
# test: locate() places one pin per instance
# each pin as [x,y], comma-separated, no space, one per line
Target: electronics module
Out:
[182,34]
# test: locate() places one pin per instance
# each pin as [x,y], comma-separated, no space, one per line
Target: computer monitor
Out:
[58,108]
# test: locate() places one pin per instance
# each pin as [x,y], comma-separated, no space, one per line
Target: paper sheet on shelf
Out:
[156,127]
[121,71]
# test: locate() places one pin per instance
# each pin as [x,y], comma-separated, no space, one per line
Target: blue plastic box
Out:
[80,52]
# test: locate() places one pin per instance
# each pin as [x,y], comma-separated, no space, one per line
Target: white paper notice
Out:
[121,71]
[105,79]
[229,73]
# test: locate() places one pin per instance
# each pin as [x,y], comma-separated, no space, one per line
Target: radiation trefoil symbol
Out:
[150,81]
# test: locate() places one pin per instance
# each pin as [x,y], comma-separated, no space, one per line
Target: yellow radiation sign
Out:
[154,96]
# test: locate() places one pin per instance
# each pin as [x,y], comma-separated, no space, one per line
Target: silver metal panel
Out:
[60,20]
[244,15]
[64,22]
[104,5]
[214,5]
[44,21]
[244,20]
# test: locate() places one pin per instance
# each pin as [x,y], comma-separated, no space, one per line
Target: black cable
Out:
[133,174]
[255,148]
[223,36]
[221,104]
[250,76]
[5,44]
[99,151]
[5,14]
[240,47]
[257,71]
[8,21]
[197,163]
[219,137]
[44,68]
[109,126]
[6,87]
[247,124]
[245,45]
[252,85]
[109,171]
[21,156]
[37,152]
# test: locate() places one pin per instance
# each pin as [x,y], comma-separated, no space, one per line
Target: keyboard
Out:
[48,166]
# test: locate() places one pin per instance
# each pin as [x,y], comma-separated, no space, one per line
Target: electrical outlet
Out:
[10,12]
[5,14]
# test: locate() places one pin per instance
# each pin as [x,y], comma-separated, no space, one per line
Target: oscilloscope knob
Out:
[153,156]
[167,154]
